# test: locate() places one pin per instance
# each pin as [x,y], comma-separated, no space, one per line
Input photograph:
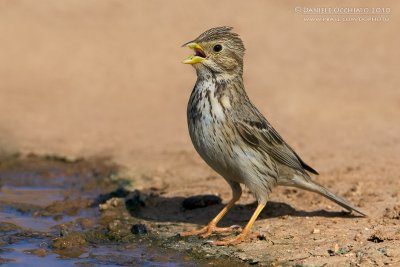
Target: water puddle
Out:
[22,254]
[49,216]
[35,253]
[40,224]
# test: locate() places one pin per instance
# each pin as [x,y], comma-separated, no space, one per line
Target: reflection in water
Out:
[49,199]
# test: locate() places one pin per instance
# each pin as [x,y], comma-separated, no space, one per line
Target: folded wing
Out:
[263,136]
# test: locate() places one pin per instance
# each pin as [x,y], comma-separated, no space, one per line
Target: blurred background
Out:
[83,78]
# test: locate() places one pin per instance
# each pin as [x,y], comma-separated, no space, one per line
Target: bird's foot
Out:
[228,242]
[210,229]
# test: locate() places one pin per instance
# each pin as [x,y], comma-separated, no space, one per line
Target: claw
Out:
[210,242]
[206,234]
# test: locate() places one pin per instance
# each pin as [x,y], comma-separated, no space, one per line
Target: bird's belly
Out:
[215,143]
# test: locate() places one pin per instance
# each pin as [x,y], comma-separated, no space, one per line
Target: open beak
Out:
[198,56]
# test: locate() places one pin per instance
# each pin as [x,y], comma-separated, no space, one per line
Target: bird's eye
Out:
[217,47]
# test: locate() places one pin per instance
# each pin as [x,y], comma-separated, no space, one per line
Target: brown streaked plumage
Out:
[233,137]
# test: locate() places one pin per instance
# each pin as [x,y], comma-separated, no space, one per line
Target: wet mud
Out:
[58,211]
[74,212]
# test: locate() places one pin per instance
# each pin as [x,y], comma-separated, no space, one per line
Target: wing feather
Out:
[263,136]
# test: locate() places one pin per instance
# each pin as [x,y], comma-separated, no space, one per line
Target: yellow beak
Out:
[199,55]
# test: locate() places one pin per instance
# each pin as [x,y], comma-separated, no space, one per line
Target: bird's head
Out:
[218,50]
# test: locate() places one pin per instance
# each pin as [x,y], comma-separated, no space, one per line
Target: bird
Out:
[232,136]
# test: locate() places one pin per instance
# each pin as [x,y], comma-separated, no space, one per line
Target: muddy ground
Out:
[297,228]
[69,212]
[99,78]
[60,212]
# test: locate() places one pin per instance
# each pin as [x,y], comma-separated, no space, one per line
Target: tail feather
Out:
[310,185]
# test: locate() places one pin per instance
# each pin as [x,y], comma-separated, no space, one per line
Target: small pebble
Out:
[139,229]
[378,237]
[336,248]
[64,231]
[40,252]
[86,223]
[316,231]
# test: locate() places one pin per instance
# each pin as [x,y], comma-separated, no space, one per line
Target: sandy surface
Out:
[85,78]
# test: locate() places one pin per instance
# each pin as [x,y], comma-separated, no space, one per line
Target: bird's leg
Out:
[212,225]
[243,234]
